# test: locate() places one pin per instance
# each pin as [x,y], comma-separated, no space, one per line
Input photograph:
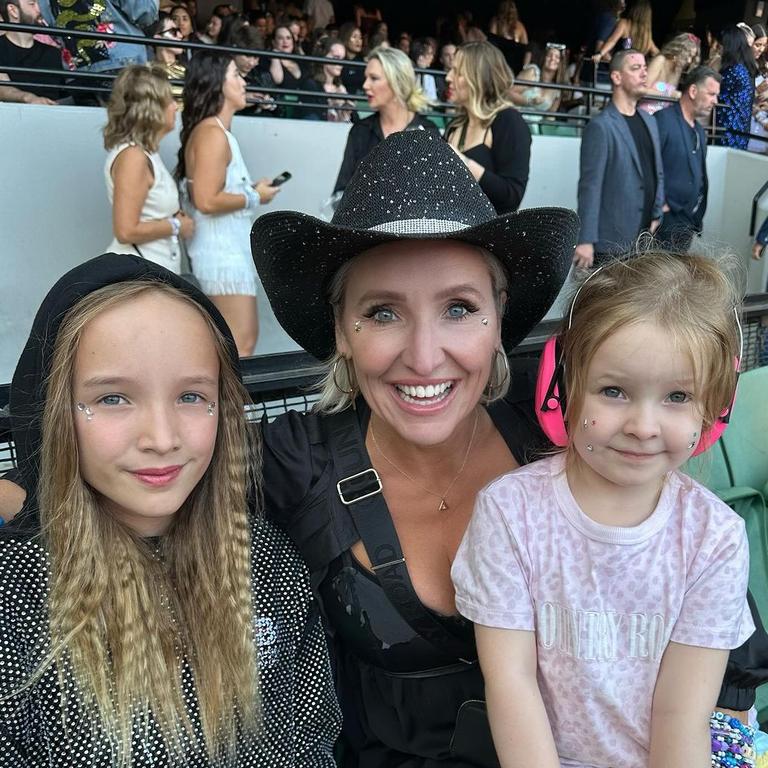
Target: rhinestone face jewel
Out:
[83,408]
[211,408]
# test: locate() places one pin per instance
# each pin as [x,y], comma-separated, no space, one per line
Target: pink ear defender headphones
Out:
[551,396]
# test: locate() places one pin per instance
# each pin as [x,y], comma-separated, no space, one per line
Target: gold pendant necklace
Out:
[443,503]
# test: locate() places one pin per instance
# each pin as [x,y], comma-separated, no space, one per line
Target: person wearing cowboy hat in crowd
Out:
[413,295]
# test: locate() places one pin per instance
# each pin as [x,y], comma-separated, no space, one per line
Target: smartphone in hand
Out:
[281,179]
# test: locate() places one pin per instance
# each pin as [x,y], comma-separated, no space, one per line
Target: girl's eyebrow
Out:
[117,381]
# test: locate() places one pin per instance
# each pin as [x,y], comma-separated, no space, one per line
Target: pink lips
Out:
[157,476]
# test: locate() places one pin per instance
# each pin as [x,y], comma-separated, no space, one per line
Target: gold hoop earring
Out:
[492,388]
[351,390]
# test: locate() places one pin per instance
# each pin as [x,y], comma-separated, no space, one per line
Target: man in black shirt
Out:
[621,184]
[684,154]
[20,49]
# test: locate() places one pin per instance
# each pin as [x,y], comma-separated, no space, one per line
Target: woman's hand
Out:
[265,190]
[187,225]
[757,251]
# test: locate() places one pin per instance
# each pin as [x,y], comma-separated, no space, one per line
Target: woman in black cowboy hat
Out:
[423,291]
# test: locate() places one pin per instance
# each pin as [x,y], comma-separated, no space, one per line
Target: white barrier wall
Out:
[54,212]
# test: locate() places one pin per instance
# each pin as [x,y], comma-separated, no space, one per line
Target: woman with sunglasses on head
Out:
[146,215]
[221,196]
[489,134]
[547,65]
[150,616]
[676,58]
[167,56]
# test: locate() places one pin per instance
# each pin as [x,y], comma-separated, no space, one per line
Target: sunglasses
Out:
[556,46]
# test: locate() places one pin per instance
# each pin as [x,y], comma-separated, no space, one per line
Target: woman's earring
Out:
[211,408]
[492,387]
[83,408]
[351,390]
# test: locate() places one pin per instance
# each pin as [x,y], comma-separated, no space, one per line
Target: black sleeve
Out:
[747,668]
[511,152]
[14,475]
[351,159]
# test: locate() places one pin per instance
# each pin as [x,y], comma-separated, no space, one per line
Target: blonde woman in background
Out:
[489,134]
[633,30]
[146,216]
[665,70]
[396,99]
[509,35]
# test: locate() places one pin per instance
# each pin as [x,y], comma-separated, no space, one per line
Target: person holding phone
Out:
[221,197]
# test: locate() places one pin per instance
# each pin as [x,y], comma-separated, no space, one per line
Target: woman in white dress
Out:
[221,197]
[146,219]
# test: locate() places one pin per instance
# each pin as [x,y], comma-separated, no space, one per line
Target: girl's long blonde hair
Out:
[123,611]
[489,81]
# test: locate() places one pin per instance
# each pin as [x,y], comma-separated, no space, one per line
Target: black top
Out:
[353,77]
[513,52]
[363,137]
[39,56]
[399,694]
[644,145]
[506,162]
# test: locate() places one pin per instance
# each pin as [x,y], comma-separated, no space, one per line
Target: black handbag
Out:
[472,740]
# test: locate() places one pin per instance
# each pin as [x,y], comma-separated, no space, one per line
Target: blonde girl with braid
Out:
[149,615]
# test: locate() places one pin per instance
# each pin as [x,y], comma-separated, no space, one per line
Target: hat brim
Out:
[296,255]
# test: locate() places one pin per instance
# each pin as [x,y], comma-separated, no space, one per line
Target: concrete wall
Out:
[54,212]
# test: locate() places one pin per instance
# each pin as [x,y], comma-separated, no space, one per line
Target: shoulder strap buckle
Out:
[366,483]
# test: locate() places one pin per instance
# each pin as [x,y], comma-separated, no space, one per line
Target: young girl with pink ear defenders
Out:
[606,586]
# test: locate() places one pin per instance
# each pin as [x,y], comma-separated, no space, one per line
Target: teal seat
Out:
[746,440]
[710,469]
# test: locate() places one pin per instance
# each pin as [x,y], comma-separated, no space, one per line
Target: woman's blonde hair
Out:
[338,386]
[489,80]
[136,109]
[507,18]
[692,297]
[683,50]
[398,70]
[123,611]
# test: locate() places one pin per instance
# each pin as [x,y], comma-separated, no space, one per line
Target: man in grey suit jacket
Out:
[684,155]
[621,185]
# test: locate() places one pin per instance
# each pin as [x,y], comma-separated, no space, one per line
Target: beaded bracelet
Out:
[732,742]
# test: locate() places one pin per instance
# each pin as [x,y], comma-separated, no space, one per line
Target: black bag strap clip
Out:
[360,491]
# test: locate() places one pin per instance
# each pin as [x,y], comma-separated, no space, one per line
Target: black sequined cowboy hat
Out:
[412,186]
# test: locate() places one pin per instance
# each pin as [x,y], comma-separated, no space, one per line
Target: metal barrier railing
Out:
[100,80]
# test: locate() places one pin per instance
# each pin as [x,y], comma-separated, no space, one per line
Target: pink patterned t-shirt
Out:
[604,601]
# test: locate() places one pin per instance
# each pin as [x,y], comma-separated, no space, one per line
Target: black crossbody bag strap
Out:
[359,489]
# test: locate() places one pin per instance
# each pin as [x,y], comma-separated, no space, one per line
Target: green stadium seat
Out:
[745,442]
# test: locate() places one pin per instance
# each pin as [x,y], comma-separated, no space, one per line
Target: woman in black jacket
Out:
[489,134]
